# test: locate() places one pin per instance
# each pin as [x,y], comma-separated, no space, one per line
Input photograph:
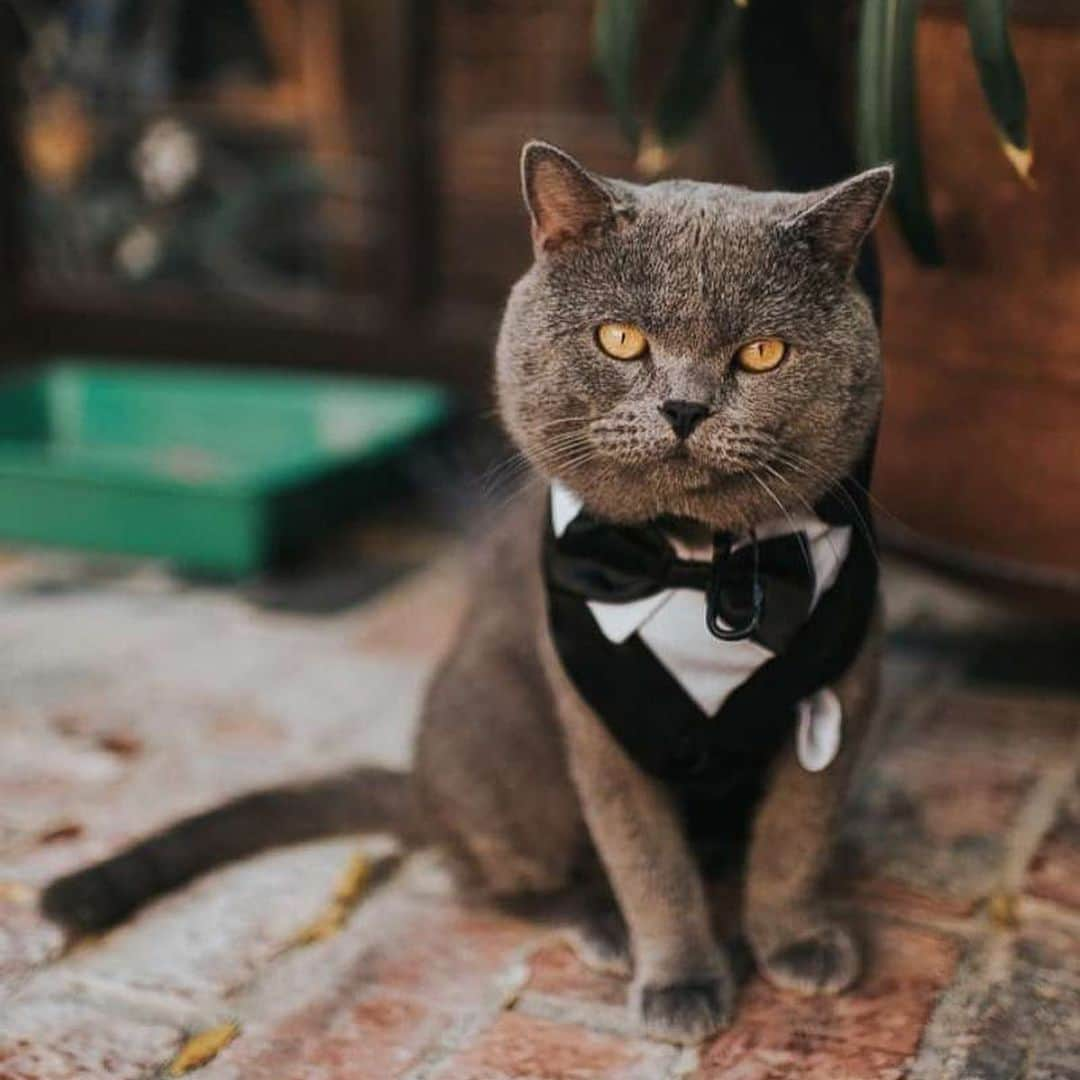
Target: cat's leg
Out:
[491,772]
[683,989]
[798,944]
[492,778]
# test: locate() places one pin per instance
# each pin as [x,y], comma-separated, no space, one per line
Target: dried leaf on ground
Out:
[347,893]
[203,1047]
[1003,909]
[68,830]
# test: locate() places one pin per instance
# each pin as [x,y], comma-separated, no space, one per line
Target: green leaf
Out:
[887,126]
[616,29]
[1002,81]
[698,70]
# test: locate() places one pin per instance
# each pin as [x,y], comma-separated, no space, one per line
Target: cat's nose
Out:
[684,416]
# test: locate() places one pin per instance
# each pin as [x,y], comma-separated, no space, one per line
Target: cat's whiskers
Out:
[519,461]
[803,547]
[516,477]
[859,522]
[560,443]
[566,451]
[558,421]
[569,458]
[798,495]
[503,472]
[878,505]
[816,472]
[532,483]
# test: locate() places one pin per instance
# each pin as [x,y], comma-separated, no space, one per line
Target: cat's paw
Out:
[825,960]
[687,1011]
[601,942]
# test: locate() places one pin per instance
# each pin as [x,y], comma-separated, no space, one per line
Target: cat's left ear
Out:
[838,219]
[567,203]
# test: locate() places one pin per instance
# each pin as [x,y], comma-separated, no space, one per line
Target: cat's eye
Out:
[623,341]
[761,355]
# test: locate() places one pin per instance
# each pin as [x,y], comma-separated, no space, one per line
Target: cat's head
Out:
[686,348]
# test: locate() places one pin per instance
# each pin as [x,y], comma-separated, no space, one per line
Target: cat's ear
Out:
[838,219]
[566,202]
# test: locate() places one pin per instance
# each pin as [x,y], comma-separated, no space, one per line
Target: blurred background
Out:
[331,185]
[252,260]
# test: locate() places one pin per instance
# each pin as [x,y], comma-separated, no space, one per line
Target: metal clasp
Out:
[721,549]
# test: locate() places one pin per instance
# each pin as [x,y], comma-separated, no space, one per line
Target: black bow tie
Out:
[763,590]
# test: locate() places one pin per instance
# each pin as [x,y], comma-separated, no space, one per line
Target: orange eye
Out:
[763,355]
[621,340]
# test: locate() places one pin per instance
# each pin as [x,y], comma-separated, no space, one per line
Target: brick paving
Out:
[127,698]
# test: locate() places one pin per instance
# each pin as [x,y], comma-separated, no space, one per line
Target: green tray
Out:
[218,473]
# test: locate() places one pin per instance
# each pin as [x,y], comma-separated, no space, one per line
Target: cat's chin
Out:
[679,479]
[687,475]
[703,481]
[694,477]
[719,498]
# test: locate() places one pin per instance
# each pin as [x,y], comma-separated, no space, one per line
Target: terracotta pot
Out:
[979,461]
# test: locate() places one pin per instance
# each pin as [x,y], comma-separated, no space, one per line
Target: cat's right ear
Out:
[566,202]
[838,219]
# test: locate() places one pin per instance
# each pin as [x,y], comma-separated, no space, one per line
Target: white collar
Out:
[565,506]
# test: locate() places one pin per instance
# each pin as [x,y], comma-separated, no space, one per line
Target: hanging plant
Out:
[886,105]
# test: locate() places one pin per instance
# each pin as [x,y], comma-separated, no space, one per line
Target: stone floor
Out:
[128,697]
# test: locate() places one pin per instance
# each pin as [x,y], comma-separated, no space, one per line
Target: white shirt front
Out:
[672,625]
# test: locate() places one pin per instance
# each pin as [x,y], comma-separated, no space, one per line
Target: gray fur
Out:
[514,776]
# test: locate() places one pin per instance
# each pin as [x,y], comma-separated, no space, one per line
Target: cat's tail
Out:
[365,799]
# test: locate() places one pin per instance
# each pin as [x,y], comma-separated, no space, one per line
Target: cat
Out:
[694,375]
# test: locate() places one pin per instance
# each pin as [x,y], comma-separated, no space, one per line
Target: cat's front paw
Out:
[686,1011]
[824,960]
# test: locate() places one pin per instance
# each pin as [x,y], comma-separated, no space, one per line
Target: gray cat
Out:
[692,366]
